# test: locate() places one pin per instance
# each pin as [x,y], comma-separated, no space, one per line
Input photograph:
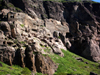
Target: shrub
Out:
[26,71]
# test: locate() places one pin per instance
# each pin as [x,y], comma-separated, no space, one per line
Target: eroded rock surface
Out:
[45,65]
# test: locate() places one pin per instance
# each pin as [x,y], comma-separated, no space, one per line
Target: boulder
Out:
[7,54]
[55,46]
[67,43]
[31,13]
[45,65]
[57,50]
[92,51]
[36,47]
[29,58]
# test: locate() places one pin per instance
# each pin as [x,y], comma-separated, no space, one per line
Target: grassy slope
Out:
[13,70]
[69,65]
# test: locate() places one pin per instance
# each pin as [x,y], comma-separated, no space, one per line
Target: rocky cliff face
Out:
[80,23]
[48,28]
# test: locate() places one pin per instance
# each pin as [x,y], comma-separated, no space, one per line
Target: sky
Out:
[96,0]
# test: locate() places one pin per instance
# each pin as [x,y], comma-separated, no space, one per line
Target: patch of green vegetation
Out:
[10,5]
[59,37]
[41,25]
[22,25]
[45,15]
[40,74]
[15,41]
[44,55]
[18,9]
[93,2]
[42,45]
[13,70]
[35,53]
[47,49]
[1,0]
[22,42]
[26,71]
[70,65]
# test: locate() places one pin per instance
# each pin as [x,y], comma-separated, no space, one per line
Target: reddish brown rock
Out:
[29,58]
[45,65]
[7,54]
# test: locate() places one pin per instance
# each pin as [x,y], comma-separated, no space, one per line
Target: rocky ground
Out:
[46,27]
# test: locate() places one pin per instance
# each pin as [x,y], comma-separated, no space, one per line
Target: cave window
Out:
[11,16]
[68,35]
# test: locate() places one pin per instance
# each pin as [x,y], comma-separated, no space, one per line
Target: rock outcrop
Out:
[29,58]
[45,65]
[22,43]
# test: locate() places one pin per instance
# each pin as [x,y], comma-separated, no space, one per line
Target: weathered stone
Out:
[45,65]
[7,54]
[92,51]
[29,58]
[5,27]
[54,46]
[57,50]
[31,13]
[54,25]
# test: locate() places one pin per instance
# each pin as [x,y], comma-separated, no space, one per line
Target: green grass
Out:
[18,9]
[26,71]
[40,74]
[59,37]
[13,70]
[47,49]
[22,42]
[10,5]
[22,25]
[15,41]
[69,65]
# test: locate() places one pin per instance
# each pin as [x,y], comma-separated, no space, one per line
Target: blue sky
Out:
[96,0]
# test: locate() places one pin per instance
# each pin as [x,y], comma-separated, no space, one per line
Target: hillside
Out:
[41,35]
[13,70]
[69,64]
